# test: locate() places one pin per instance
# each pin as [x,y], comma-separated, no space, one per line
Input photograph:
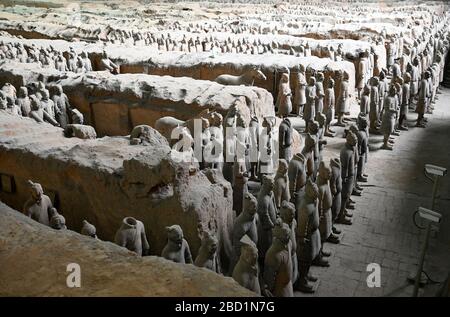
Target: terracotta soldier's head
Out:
[250,203]
[351,139]
[281,232]
[36,191]
[287,212]
[282,166]
[175,235]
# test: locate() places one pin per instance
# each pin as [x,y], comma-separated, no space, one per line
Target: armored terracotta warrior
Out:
[246,271]
[245,224]
[389,114]
[415,78]
[320,94]
[131,235]
[107,64]
[336,189]
[87,65]
[321,120]
[62,106]
[254,147]
[12,107]
[363,148]
[39,114]
[347,159]
[383,88]
[357,190]
[342,100]
[281,184]
[240,187]
[404,107]
[329,108]
[284,103]
[177,248]
[374,105]
[422,104]
[23,101]
[285,139]
[309,112]
[300,91]
[364,103]
[207,254]
[297,178]
[362,72]
[38,205]
[267,213]
[267,147]
[308,153]
[47,104]
[287,214]
[308,236]
[278,262]
[88,230]
[325,202]
[313,131]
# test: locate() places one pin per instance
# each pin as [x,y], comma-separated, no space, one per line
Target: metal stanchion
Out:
[430,216]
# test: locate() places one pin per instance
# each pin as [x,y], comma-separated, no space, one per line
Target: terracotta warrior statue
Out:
[267,148]
[39,114]
[309,112]
[131,235]
[364,103]
[23,101]
[347,159]
[404,108]
[320,94]
[342,100]
[254,147]
[246,271]
[308,236]
[329,108]
[267,212]
[308,153]
[336,189]
[287,214]
[245,224]
[47,104]
[297,178]
[88,229]
[389,115]
[325,202]
[314,132]
[300,91]
[177,248]
[107,64]
[278,262]
[284,103]
[363,148]
[285,140]
[422,104]
[38,206]
[281,184]
[207,254]
[374,105]
[62,106]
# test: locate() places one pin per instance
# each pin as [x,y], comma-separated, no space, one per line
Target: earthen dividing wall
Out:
[105,180]
[114,104]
